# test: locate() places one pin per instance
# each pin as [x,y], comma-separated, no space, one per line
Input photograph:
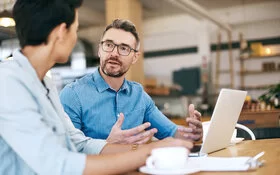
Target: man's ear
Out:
[99,51]
[135,57]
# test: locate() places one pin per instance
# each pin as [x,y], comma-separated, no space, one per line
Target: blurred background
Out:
[190,50]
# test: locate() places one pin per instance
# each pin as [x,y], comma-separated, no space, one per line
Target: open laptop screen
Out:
[224,118]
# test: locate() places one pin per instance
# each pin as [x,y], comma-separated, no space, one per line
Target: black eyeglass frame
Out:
[131,49]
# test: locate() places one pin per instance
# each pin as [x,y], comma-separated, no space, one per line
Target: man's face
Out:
[112,63]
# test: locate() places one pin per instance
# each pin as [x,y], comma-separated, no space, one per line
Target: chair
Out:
[206,124]
[245,128]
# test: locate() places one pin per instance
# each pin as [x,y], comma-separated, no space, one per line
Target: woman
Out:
[36,137]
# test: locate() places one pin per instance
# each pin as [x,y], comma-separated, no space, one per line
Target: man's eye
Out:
[124,48]
[109,44]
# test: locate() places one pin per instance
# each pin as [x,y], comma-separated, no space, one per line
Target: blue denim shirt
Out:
[36,136]
[94,107]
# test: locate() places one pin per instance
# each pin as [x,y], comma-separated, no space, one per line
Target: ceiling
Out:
[216,4]
[152,8]
[92,13]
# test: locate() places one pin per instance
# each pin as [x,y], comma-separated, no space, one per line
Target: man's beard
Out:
[110,74]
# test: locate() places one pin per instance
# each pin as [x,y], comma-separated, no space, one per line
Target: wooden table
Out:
[249,148]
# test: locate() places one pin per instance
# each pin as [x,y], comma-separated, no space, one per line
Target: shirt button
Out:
[54,129]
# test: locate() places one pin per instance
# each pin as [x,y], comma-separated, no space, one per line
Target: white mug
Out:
[168,158]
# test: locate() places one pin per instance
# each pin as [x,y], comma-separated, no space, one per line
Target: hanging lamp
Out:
[6,18]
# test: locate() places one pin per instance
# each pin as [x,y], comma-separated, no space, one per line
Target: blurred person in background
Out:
[36,136]
[105,105]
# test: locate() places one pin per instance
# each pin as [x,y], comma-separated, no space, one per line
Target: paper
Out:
[219,163]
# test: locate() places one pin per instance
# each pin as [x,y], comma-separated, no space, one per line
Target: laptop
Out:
[222,124]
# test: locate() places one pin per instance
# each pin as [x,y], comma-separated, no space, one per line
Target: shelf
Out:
[260,119]
[166,96]
[224,86]
[256,72]
[159,91]
[261,87]
[182,120]
[259,57]
[224,71]
[269,69]
[260,112]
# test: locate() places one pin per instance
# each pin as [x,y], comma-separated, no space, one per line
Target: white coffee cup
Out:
[168,158]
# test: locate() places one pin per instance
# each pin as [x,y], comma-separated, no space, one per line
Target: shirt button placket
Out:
[117,105]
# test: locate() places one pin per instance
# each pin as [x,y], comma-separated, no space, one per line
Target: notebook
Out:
[222,124]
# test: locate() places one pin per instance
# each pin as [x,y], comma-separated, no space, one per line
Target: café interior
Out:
[190,50]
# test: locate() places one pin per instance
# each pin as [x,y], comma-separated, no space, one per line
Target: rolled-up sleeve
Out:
[84,144]
[166,128]
[71,105]
[24,129]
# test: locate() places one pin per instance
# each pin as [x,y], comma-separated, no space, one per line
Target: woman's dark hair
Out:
[35,19]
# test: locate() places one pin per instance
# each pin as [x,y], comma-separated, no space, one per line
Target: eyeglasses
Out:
[109,46]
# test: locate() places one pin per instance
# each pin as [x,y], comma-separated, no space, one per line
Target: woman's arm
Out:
[126,161]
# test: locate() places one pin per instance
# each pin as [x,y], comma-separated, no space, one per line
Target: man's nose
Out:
[115,51]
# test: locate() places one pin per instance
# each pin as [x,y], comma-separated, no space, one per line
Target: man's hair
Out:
[35,19]
[125,25]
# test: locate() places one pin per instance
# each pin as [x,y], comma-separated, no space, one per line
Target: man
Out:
[98,102]
[36,137]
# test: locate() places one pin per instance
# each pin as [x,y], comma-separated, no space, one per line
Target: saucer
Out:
[187,170]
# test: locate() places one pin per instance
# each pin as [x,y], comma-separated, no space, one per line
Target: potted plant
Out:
[272,96]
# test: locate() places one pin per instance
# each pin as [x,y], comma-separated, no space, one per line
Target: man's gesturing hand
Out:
[194,131]
[137,135]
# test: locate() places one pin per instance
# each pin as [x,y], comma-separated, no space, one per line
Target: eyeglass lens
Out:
[109,46]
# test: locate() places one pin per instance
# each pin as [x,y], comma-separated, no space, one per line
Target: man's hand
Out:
[194,131]
[136,135]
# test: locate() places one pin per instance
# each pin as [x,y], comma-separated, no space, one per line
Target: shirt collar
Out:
[26,65]
[125,86]
[101,84]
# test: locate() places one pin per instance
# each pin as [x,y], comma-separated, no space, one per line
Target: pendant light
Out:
[6,18]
